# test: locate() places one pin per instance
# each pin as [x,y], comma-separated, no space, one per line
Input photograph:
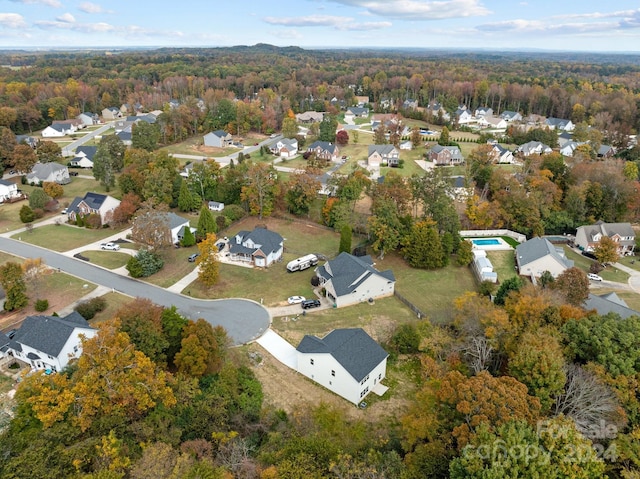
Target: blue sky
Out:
[582,25]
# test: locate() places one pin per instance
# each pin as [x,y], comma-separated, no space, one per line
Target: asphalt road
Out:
[243,319]
[68,150]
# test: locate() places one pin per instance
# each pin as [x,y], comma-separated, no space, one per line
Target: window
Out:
[311,361]
[333,373]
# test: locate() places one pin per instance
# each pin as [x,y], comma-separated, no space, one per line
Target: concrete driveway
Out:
[244,320]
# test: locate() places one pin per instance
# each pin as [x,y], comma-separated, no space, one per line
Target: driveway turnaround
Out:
[243,319]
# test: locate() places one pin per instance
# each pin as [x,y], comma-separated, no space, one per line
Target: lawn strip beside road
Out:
[608,274]
[63,237]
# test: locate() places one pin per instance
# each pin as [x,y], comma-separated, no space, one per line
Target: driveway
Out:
[279,348]
[244,320]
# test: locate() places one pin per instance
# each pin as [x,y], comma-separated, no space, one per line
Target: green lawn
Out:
[630,262]
[63,237]
[176,266]
[107,259]
[504,263]
[609,274]
[632,299]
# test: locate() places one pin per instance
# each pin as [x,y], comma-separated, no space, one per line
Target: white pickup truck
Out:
[110,246]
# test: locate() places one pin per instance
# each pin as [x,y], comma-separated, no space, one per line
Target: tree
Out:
[187,201]
[151,227]
[7,145]
[346,233]
[173,324]
[144,264]
[145,135]
[48,151]
[126,209]
[260,188]
[206,224]
[188,238]
[511,284]
[208,272]
[52,189]
[422,247]
[379,135]
[23,158]
[444,137]
[142,321]
[108,160]
[302,190]
[465,253]
[38,199]
[15,288]
[574,285]
[538,363]
[289,127]
[27,215]
[342,138]
[203,349]
[385,228]
[328,127]
[606,251]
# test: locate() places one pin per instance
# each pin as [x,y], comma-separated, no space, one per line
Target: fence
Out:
[519,237]
[409,304]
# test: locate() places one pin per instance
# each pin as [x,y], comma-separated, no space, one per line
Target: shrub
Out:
[234,212]
[26,214]
[88,309]
[406,339]
[42,305]
[144,264]
[92,221]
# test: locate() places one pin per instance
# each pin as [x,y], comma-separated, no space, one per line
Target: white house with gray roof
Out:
[8,190]
[588,236]
[346,361]
[218,138]
[285,147]
[350,279]
[538,255]
[559,124]
[50,172]
[533,148]
[177,225]
[383,155]
[48,342]
[609,303]
[260,247]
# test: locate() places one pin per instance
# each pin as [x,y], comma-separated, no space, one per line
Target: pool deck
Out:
[501,246]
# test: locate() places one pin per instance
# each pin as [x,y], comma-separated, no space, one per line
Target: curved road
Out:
[243,319]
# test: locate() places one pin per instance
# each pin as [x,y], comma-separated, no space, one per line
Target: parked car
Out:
[296,299]
[220,246]
[73,173]
[594,277]
[193,257]
[589,254]
[64,211]
[310,303]
[110,246]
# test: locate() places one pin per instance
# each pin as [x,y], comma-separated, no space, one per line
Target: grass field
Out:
[107,259]
[176,266]
[63,237]
[115,301]
[504,264]
[609,274]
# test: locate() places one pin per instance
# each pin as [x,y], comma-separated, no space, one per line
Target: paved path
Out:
[243,319]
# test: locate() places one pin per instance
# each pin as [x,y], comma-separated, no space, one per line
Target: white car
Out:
[594,277]
[110,246]
[296,299]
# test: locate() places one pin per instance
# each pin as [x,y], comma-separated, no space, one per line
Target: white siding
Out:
[537,267]
[373,287]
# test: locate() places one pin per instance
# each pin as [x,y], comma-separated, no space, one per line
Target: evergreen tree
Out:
[346,235]
[422,247]
[206,223]
[188,239]
[187,201]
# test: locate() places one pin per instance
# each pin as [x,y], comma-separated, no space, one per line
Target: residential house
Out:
[84,156]
[356,112]
[559,124]
[58,130]
[177,225]
[173,103]
[588,236]
[215,206]
[218,138]
[8,191]
[483,111]
[564,138]
[461,190]
[609,303]
[324,150]
[27,140]
[538,255]
[493,122]
[445,155]
[260,247]
[51,172]
[88,119]
[533,148]
[72,123]
[48,342]
[463,116]
[386,104]
[568,148]
[122,125]
[606,151]
[383,155]
[93,203]
[310,117]
[410,104]
[348,362]
[111,113]
[349,279]
[438,111]
[500,154]
[285,148]
[362,100]
[510,116]
[126,135]
[338,103]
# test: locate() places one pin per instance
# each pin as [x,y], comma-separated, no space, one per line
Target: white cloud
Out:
[12,20]
[419,9]
[338,23]
[50,3]
[66,18]
[89,7]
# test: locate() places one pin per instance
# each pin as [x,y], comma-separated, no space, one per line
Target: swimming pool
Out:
[486,242]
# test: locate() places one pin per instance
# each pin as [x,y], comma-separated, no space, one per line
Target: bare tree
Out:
[479,353]
[151,227]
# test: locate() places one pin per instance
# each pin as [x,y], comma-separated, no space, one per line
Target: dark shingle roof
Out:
[382,149]
[268,241]
[354,349]
[94,200]
[48,334]
[88,151]
[609,303]
[323,145]
[537,248]
[347,272]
